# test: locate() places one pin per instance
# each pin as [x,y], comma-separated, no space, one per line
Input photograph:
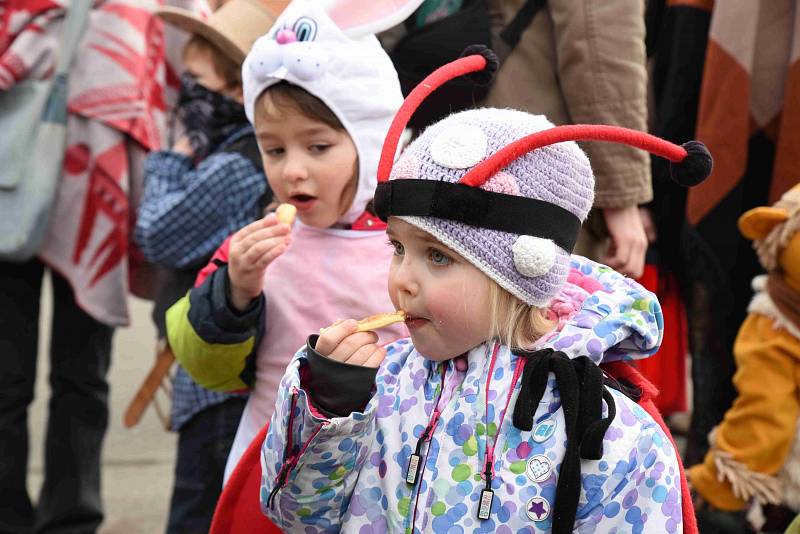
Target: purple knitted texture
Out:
[559,174]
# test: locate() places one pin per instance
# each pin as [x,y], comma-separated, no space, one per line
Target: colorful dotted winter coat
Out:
[349,474]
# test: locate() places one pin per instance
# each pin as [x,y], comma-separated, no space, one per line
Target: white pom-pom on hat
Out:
[459,147]
[534,256]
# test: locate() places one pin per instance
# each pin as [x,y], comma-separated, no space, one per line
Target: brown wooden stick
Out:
[147,391]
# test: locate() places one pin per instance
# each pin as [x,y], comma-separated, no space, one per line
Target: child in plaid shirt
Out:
[210,184]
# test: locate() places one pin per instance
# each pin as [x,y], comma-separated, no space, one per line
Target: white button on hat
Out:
[459,147]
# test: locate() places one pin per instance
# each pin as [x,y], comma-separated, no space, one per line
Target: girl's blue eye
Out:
[399,250]
[437,257]
[273,152]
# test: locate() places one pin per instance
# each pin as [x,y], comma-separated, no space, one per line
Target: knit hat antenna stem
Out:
[690,163]
[579,132]
[442,75]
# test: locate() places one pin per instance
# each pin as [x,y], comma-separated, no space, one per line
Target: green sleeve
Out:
[215,344]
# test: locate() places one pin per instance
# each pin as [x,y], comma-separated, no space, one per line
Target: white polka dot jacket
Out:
[492,441]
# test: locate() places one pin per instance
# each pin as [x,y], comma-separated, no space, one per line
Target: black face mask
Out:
[209,117]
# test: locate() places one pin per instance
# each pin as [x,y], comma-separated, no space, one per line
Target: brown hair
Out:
[285,94]
[516,324]
[225,67]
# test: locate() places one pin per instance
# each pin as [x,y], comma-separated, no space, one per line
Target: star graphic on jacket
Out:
[537,507]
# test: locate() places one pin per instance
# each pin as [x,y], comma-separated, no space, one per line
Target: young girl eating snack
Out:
[495,415]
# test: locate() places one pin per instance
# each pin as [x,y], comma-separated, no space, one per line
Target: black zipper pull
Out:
[412,470]
[487,496]
[279,483]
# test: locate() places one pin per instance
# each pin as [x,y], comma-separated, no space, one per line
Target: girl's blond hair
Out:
[516,324]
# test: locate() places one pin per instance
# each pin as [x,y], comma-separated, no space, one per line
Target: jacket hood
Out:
[354,77]
[604,315]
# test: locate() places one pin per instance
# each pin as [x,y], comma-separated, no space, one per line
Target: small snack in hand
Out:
[286,213]
[373,322]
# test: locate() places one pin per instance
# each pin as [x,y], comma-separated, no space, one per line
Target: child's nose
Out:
[405,279]
[295,171]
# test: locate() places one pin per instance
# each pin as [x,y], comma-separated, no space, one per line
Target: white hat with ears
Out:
[330,50]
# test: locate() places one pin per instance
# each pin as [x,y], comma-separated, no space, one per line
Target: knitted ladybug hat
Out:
[505,189]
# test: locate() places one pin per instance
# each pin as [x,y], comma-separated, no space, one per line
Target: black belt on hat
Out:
[581,388]
[477,207]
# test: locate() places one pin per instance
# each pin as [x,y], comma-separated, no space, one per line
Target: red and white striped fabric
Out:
[121,86]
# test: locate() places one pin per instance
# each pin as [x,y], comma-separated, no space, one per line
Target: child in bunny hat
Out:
[320,93]
[495,415]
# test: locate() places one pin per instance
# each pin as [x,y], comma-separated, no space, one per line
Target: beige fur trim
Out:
[755,516]
[745,484]
[762,304]
[789,475]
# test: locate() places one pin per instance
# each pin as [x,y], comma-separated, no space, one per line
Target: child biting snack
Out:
[495,415]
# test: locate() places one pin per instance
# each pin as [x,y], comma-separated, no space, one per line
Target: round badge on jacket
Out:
[538,509]
[539,468]
[544,430]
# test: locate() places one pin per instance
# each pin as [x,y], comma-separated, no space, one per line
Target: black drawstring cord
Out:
[534,382]
[582,390]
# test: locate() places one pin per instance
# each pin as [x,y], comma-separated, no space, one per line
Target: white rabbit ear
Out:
[357,18]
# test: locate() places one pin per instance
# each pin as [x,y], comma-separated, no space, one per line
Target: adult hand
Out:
[183,146]
[342,343]
[649,226]
[628,240]
[252,249]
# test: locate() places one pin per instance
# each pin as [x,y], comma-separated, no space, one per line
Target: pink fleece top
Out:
[326,274]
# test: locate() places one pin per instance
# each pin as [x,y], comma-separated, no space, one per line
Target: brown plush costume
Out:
[755,456]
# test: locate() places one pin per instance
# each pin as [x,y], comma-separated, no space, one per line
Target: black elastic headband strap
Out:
[477,207]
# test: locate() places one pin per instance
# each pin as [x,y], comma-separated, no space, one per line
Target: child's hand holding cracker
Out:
[354,342]
[252,249]
[343,342]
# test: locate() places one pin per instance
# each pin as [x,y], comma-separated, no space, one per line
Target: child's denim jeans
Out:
[203,447]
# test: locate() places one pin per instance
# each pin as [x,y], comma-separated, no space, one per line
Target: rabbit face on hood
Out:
[330,50]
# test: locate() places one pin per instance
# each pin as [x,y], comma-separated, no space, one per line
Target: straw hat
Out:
[233,28]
